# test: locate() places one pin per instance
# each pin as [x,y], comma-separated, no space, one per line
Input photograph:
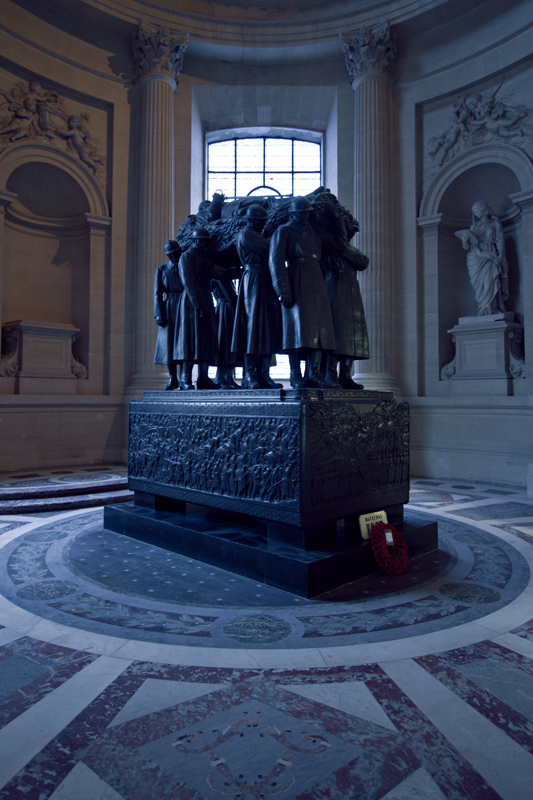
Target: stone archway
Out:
[25,153]
[53,228]
[501,155]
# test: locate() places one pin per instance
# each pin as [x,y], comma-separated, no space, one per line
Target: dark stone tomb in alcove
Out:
[269,483]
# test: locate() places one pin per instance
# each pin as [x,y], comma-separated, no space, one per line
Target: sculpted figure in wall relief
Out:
[80,139]
[23,120]
[31,112]
[486,261]
[480,118]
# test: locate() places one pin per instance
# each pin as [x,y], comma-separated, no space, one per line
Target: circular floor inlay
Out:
[75,573]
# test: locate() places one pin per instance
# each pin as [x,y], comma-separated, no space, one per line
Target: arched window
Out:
[263,161]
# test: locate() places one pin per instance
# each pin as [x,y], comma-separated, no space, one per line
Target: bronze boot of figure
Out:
[297,381]
[331,371]
[264,374]
[315,380]
[224,378]
[173,375]
[204,381]
[186,375]
[250,379]
[345,374]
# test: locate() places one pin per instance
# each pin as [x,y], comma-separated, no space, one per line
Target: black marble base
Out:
[249,547]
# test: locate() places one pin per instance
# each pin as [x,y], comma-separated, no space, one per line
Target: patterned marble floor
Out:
[130,673]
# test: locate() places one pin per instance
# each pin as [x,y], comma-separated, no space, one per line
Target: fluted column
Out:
[370,61]
[158,59]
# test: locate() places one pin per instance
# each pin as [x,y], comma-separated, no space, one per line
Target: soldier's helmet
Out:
[256,211]
[300,204]
[171,246]
[200,233]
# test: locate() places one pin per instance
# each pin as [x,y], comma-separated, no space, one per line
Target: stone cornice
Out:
[268,23]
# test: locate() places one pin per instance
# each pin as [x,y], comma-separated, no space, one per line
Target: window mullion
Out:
[292,167]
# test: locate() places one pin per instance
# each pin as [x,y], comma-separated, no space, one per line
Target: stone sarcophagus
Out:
[269,484]
[299,458]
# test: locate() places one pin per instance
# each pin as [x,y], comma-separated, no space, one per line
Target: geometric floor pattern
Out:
[130,673]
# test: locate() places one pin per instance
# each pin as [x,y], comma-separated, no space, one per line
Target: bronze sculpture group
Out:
[298,294]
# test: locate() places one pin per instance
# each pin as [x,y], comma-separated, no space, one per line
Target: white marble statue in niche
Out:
[485,259]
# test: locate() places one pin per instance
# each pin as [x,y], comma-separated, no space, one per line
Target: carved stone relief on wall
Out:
[31,113]
[482,118]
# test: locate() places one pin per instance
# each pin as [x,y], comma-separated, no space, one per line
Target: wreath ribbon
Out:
[391,558]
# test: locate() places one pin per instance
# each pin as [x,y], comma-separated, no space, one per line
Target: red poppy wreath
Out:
[391,558]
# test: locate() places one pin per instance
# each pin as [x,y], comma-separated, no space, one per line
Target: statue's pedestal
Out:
[41,359]
[487,349]
[269,484]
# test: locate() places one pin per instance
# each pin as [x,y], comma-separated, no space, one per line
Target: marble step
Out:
[50,489]
[64,502]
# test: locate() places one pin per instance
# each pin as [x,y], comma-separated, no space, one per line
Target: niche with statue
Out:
[473,221]
[489,345]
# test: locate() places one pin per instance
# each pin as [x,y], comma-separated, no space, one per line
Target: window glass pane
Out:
[306,156]
[224,183]
[249,155]
[222,156]
[278,155]
[247,181]
[280,370]
[304,184]
[269,164]
[280,181]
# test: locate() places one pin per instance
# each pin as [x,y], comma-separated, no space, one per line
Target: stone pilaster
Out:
[5,199]
[370,62]
[158,59]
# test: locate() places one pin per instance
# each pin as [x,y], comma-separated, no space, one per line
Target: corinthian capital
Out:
[155,50]
[370,54]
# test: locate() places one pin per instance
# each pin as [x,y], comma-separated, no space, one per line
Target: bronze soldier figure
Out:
[351,337]
[196,336]
[257,331]
[227,359]
[167,292]
[298,280]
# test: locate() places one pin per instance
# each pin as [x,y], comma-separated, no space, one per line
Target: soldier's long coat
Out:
[167,292]
[342,285]
[294,262]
